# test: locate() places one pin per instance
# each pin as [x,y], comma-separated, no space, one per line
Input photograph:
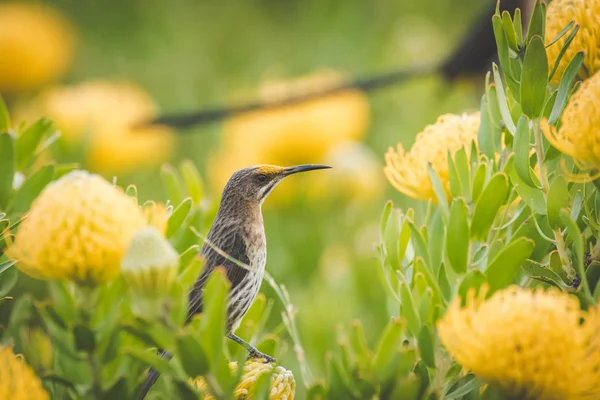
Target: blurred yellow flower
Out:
[407,171]
[579,133]
[530,344]
[355,176]
[37,348]
[157,215]
[78,228]
[283,385]
[586,14]
[296,134]
[17,380]
[102,115]
[36,46]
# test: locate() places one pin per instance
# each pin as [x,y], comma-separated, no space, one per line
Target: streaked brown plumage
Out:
[236,241]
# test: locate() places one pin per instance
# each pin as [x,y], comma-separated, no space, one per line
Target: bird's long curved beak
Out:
[303,168]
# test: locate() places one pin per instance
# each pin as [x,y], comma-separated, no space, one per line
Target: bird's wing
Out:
[232,243]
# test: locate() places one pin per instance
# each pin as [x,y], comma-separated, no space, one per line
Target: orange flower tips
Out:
[78,228]
[408,171]
[530,344]
[17,379]
[579,135]
[585,13]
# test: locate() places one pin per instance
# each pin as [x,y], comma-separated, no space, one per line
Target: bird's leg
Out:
[252,351]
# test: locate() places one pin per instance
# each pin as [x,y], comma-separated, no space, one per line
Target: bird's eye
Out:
[261,177]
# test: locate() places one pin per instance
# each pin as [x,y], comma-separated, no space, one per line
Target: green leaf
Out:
[462,168]
[4,118]
[358,341]
[463,386]
[387,347]
[31,189]
[502,102]
[487,206]
[557,199]
[426,342]
[172,184]
[192,180]
[7,164]
[518,24]
[457,236]
[565,85]
[475,279]
[443,282]
[428,307]
[179,215]
[534,78]
[521,147]
[440,192]
[191,354]
[487,132]
[533,197]
[561,33]
[578,246]
[479,181]
[28,141]
[419,244]
[187,256]
[505,266]
[387,209]
[436,236]
[63,299]
[509,31]
[563,50]
[408,309]
[9,277]
[213,321]
[456,189]
[117,391]
[537,23]
[494,111]
[539,272]
[151,359]
[85,339]
[593,274]
[501,44]
[392,238]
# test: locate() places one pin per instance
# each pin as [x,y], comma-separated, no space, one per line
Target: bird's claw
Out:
[259,355]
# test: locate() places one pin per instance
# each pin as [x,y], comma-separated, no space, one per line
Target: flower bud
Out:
[37,348]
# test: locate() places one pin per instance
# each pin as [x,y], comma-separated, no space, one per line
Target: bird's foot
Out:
[257,354]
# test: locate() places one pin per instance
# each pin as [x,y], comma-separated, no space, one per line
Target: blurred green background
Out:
[190,54]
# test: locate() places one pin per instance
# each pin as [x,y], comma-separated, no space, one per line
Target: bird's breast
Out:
[256,244]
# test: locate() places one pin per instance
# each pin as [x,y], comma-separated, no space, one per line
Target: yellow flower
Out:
[530,344]
[102,115]
[586,14]
[355,176]
[579,134]
[157,215]
[283,385]
[17,380]
[296,134]
[150,263]
[78,228]
[36,46]
[407,171]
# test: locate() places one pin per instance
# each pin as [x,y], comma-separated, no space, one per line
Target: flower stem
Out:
[96,376]
[539,149]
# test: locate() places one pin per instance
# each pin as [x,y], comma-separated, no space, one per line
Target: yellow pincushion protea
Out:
[579,135]
[103,115]
[36,46]
[17,379]
[585,13]
[78,228]
[533,345]
[283,385]
[301,133]
[407,171]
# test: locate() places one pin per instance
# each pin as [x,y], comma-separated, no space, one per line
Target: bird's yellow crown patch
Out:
[269,169]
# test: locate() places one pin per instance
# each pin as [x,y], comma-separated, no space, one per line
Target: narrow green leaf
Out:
[505,266]
[518,27]
[387,209]
[563,51]
[494,112]
[537,23]
[419,244]
[9,278]
[461,163]
[436,236]
[444,283]
[172,184]
[28,141]
[561,33]
[487,206]
[63,300]
[539,272]
[456,189]
[408,309]
[565,85]
[213,321]
[475,279]
[465,385]
[485,134]
[440,192]
[192,180]
[502,102]
[152,359]
[358,341]
[533,197]
[4,117]
[457,236]
[387,347]
[534,78]
[7,164]
[479,181]
[426,342]
[392,238]
[501,44]
[558,198]
[31,189]
[191,354]
[509,31]
[178,216]
[578,247]
[522,147]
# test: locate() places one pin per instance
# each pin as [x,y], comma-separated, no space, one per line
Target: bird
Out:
[236,241]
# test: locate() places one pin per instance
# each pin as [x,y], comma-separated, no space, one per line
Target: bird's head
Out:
[254,183]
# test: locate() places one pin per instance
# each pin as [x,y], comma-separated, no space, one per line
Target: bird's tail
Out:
[152,377]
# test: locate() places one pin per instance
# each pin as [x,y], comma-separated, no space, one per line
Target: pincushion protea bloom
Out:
[407,171]
[78,228]
[283,385]
[531,344]
[17,380]
[579,134]
[585,13]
